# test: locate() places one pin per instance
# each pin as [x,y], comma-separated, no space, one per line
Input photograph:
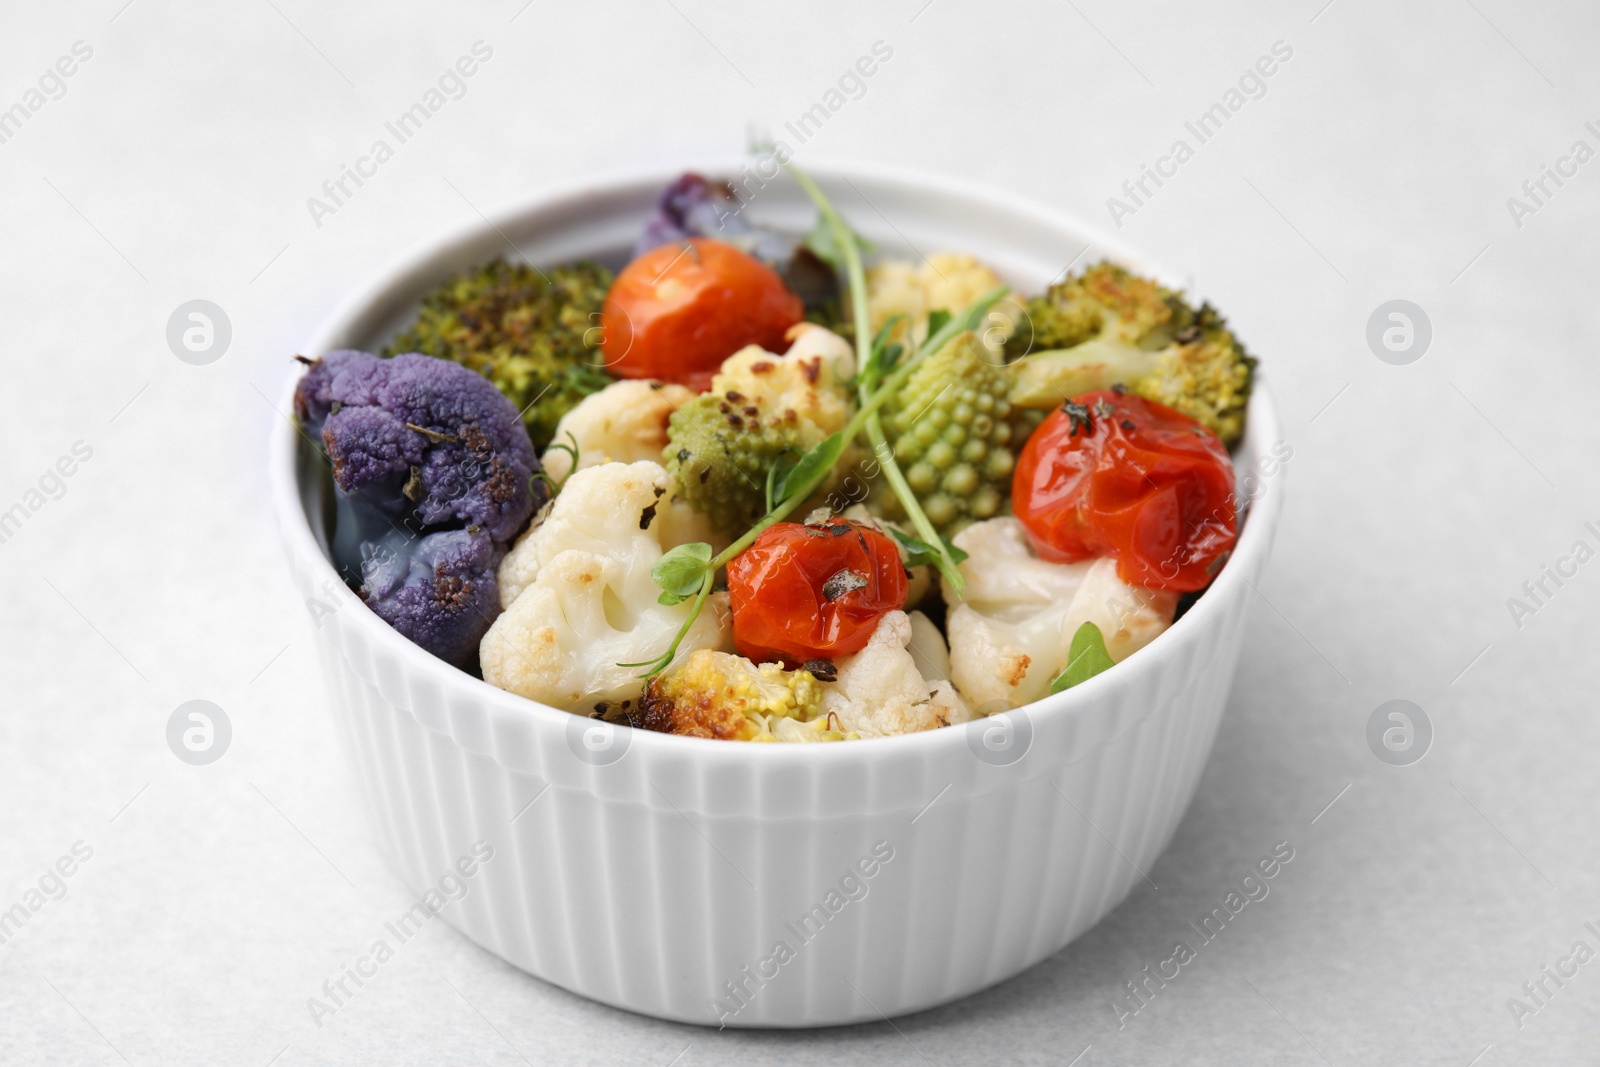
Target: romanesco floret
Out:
[761,409]
[956,435]
[531,332]
[1109,326]
[724,696]
[720,451]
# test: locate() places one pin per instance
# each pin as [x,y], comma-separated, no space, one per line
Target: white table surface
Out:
[177,165]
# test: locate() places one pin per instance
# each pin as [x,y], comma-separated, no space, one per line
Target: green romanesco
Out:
[1107,327]
[532,333]
[762,408]
[956,436]
[720,449]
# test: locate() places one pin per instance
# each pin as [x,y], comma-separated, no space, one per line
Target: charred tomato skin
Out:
[1110,473]
[814,591]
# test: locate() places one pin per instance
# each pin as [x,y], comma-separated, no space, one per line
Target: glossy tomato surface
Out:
[677,311]
[813,592]
[1115,474]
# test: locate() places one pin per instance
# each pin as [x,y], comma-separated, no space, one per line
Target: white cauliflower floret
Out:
[1010,636]
[579,598]
[881,690]
[622,423]
[808,379]
[953,281]
[927,647]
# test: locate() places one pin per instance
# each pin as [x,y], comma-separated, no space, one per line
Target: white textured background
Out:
[177,165]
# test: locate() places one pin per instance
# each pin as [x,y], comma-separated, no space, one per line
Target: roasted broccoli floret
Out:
[533,333]
[1108,327]
[728,698]
[1105,301]
[433,476]
[956,435]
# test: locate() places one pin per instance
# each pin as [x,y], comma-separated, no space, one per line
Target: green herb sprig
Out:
[543,476]
[689,570]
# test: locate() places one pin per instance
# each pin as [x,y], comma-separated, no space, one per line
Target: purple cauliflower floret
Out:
[692,206]
[441,435]
[433,476]
[439,590]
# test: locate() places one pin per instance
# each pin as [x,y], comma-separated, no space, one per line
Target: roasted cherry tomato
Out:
[813,592]
[1114,474]
[679,310]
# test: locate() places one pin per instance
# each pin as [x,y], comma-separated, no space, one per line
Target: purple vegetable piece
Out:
[695,207]
[433,475]
[428,430]
[439,590]
[692,206]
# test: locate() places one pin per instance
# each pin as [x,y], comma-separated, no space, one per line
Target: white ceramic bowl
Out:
[661,874]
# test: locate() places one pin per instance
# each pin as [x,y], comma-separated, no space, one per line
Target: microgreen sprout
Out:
[689,570]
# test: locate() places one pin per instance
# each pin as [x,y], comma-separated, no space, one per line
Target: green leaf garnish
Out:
[822,241]
[920,554]
[776,474]
[681,570]
[883,355]
[810,466]
[653,667]
[1086,658]
[881,372]
[936,320]
[556,446]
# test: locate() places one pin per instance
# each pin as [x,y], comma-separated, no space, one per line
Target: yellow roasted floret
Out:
[726,697]
[944,281]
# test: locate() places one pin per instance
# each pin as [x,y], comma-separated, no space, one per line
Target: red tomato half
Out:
[678,311]
[814,591]
[1114,474]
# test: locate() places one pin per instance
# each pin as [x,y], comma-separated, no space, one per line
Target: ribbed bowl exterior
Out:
[662,874]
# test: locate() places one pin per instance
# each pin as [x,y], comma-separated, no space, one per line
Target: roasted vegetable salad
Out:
[754,487]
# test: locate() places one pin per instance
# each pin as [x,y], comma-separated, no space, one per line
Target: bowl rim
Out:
[509,709]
